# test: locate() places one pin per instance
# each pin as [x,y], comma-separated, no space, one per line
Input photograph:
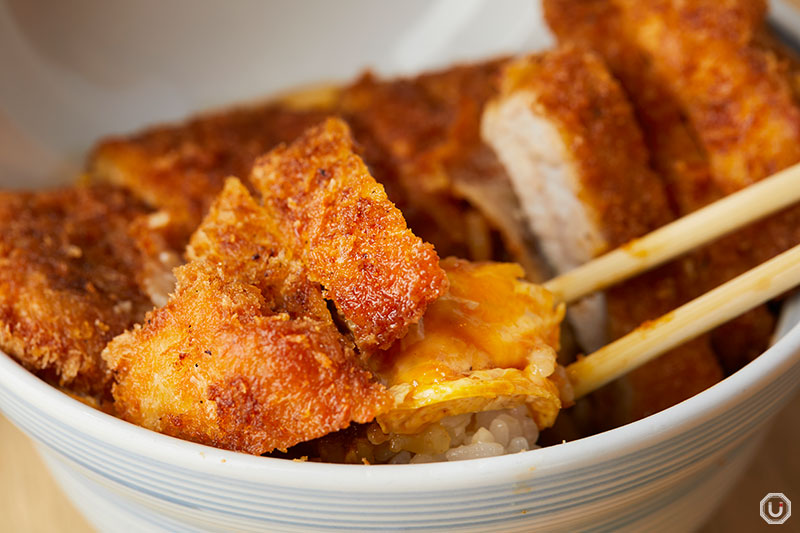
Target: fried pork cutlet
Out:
[738,90]
[180,169]
[428,129]
[563,129]
[245,355]
[736,95]
[337,220]
[418,136]
[489,343]
[672,377]
[568,137]
[73,274]
[677,151]
[563,112]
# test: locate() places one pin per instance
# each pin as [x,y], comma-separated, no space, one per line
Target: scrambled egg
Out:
[489,343]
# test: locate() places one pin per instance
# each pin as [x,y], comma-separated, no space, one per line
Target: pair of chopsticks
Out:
[702,314]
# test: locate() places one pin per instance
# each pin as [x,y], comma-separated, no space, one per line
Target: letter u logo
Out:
[771,512]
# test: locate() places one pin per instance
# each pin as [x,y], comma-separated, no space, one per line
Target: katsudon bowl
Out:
[73,73]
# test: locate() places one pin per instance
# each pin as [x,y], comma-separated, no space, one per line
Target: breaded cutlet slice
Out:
[569,139]
[564,110]
[337,220]
[245,353]
[739,93]
[786,57]
[419,137]
[73,275]
[735,94]
[427,128]
[669,106]
[180,168]
[678,153]
[738,89]
[672,377]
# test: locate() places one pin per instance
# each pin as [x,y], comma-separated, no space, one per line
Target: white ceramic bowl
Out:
[72,73]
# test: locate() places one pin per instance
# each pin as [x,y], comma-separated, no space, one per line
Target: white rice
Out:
[460,437]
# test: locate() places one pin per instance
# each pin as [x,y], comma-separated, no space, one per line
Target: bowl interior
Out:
[73,73]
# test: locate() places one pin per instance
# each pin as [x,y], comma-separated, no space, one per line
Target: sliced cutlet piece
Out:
[181,168]
[676,153]
[672,377]
[679,155]
[72,276]
[419,137]
[246,353]
[737,88]
[428,128]
[337,220]
[736,95]
[739,93]
[571,144]
[787,57]
[562,127]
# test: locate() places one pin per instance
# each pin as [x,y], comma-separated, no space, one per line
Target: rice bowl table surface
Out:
[31,502]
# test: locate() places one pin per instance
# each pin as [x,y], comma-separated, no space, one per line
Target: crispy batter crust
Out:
[674,376]
[338,221]
[787,57]
[240,236]
[423,122]
[419,137]
[428,130]
[246,354]
[675,150]
[663,104]
[574,90]
[736,95]
[181,168]
[738,90]
[70,274]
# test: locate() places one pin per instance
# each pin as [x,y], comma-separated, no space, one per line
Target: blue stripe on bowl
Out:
[694,439]
[627,461]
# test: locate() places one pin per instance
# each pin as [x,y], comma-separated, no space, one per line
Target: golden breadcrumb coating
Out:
[738,89]
[427,129]
[675,150]
[574,90]
[72,276]
[418,136]
[683,143]
[677,374]
[245,355]
[736,96]
[571,89]
[181,168]
[489,343]
[335,219]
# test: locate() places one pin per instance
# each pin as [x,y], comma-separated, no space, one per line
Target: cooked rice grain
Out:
[460,437]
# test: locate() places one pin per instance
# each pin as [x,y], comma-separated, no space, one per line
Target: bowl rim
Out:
[494,471]
[477,473]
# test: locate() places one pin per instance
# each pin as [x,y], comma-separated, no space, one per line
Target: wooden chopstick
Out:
[702,314]
[734,211]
